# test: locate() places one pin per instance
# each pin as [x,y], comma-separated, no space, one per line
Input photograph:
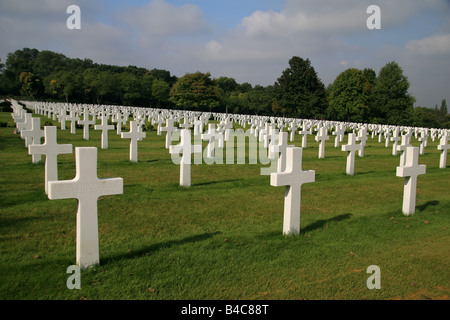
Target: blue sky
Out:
[249,40]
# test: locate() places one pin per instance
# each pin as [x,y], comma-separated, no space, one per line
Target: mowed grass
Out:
[222,237]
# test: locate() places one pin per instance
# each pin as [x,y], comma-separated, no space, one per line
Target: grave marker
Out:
[351,148]
[134,135]
[293,178]
[104,127]
[87,188]
[444,146]
[410,171]
[186,149]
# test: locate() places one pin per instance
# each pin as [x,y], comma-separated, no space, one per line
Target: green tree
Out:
[443,110]
[31,85]
[160,93]
[348,97]
[391,101]
[299,92]
[195,91]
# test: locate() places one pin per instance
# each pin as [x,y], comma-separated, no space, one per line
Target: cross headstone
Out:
[351,148]
[339,133]
[281,148]
[395,138]
[212,136]
[87,188]
[444,146]
[33,136]
[322,136]
[134,135]
[304,133]
[73,118]
[186,149]
[362,137]
[104,127]
[293,178]
[410,171]
[169,128]
[402,148]
[51,149]
[85,123]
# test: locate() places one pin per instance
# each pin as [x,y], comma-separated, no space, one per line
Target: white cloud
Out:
[430,46]
[163,19]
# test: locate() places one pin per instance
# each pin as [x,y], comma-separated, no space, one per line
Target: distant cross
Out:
[51,149]
[321,137]
[134,135]
[395,138]
[292,128]
[85,123]
[402,148]
[362,137]
[120,119]
[87,188]
[281,149]
[186,124]
[423,140]
[387,134]
[351,148]
[304,133]
[159,121]
[34,136]
[25,125]
[186,149]
[293,178]
[104,127]
[62,118]
[410,171]
[444,146]
[212,136]
[339,133]
[73,118]
[198,127]
[169,128]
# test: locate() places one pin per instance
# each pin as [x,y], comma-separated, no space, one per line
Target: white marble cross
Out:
[169,128]
[73,118]
[186,149]
[51,149]
[120,119]
[34,134]
[395,138]
[104,127]
[444,146]
[186,124]
[410,171]
[212,136]
[85,123]
[351,148]
[134,135]
[402,148]
[362,136]
[280,149]
[304,133]
[423,140]
[322,136]
[87,188]
[293,178]
[339,133]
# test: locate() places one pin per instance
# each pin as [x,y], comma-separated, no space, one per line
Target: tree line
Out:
[355,95]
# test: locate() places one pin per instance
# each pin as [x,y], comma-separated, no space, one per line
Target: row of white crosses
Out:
[289,171]
[86,187]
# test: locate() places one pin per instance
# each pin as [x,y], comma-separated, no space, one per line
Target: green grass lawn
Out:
[222,237]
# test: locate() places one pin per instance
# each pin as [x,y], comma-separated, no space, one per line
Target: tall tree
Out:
[348,96]
[391,100]
[299,92]
[195,91]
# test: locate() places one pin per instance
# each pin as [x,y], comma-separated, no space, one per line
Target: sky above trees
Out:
[250,41]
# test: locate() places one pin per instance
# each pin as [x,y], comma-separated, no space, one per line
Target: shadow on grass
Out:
[157,246]
[427,204]
[321,223]
[215,182]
